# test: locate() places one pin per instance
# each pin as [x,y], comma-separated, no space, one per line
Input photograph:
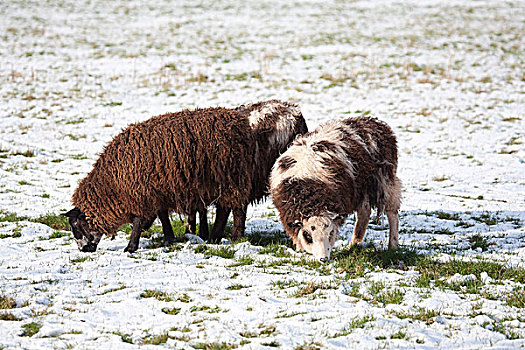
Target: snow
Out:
[447,76]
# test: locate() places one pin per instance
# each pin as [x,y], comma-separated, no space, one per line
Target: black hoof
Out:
[130,249]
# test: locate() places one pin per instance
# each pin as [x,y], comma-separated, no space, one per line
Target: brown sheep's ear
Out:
[73,213]
[295,225]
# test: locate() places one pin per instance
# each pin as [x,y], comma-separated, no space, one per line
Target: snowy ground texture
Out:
[448,76]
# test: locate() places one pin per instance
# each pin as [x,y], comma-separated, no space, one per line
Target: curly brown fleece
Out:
[177,161]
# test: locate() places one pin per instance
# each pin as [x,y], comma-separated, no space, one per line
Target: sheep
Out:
[275,125]
[342,167]
[272,126]
[177,162]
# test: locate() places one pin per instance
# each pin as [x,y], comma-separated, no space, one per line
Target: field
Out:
[447,76]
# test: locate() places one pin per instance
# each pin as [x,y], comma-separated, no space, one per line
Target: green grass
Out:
[171,311]
[236,287]
[356,261]
[156,339]
[263,239]
[243,261]
[277,250]
[81,259]
[421,314]
[517,297]
[225,252]
[57,222]
[207,309]
[355,323]
[31,329]
[161,296]
[214,346]
[312,287]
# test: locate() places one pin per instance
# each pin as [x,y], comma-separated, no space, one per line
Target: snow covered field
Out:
[448,77]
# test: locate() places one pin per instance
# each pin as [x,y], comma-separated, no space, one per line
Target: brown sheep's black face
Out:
[86,238]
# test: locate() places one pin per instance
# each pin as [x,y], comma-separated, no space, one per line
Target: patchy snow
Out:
[447,76]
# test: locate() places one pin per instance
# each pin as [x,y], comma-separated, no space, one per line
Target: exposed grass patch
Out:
[236,287]
[208,309]
[9,317]
[126,338]
[479,241]
[263,239]
[57,222]
[59,234]
[277,250]
[309,346]
[116,289]
[156,339]
[312,287]
[222,251]
[355,323]
[12,217]
[171,311]
[243,261]
[7,302]
[214,346]
[357,260]
[517,297]
[80,259]
[244,76]
[431,270]
[31,329]
[161,296]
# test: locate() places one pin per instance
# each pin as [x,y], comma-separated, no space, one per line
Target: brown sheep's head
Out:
[87,238]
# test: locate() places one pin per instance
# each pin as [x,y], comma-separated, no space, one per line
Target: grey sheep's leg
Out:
[363,217]
[167,230]
[393,223]
[139,223]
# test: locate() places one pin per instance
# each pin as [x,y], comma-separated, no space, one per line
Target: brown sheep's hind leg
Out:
[191,227]
[167,230]
[221,218]
[204,232]
[139,223]
[363,216]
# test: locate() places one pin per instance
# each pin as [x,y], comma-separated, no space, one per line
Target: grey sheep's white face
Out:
[316,236]
[87,239]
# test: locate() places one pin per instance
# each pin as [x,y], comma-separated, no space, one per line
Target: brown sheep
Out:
[342,167]
[178,162]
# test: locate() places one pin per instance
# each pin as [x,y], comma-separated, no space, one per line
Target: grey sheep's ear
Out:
[296,224]
[336,217]
[73,213]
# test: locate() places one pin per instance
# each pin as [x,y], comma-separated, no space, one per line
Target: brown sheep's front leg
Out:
[139,223]
[239,221]
[167,230]
[221,218]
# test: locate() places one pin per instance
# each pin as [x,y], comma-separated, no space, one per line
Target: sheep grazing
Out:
[275,124]
[183,162]
[342,167]
[179,162]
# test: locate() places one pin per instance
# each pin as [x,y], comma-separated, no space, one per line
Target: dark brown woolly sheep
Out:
[179,162]
[342,167]
[275,124]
